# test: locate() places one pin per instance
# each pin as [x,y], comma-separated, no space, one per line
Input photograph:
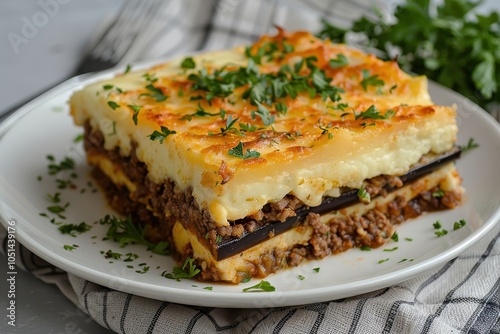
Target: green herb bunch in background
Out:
[450,44]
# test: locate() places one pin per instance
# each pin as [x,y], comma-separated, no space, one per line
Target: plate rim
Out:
[226,299]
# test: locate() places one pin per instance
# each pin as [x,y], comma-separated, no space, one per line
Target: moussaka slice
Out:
[255,159]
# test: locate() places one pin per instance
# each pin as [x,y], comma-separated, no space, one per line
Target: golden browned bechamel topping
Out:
[291,114]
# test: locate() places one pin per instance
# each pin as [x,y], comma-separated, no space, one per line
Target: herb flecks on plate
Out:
[125,232]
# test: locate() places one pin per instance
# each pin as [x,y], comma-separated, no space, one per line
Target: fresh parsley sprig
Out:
[162,134]
[187,270]
[453,44]
[125,232]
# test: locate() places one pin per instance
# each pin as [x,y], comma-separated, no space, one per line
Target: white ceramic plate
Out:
[44,127]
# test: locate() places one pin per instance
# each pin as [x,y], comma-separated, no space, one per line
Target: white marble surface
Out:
[42,42]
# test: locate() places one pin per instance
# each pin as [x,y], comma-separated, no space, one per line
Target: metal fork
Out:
[130,26]
[114,45]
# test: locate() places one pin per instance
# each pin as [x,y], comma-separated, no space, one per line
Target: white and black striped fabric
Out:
[462,296]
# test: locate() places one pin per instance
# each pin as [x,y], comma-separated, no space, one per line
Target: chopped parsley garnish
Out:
[264,114]
[382,261]
[268,50]
[162,134]
[156,93]
[143,270]
[187,270]
[229,126]
[340,61]
[438,194]
[150,78]
[395,237]
[69,247]
[58,209]
[188,62]
[72,229]
[363,195]
[127,69]
[131,257]
[365,248]
[441,233]
[316,269]
[136,110]
[370,80]
[239,152]
[471,144]
[281,108]
[56,198]
[110,254]
[301,277]
[326,130]
[113,105]
[200,112]
[266,87]
[126,232]
[390,249]
[459,224]
[209,288]
[65,164]
[373,113]
[259,287]
[437,225]
[78,138]
[248,127]
[107,87]
[409,239]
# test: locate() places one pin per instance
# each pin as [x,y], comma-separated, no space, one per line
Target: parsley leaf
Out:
[187,270]
[340,61]
[156,93]
[237,151]
[136,110]
[69,247]
[459,224]
[264,114]
[471,144]
[230,126]
[71,229]
[188,62]
[126,232]
[370,80]
[162,134]
[363,195]
[261,286]
[113,105]
[441,233]
[200,112]
[373,113]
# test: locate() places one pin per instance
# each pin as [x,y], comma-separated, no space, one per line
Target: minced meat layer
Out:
[158,206]
[168,199]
